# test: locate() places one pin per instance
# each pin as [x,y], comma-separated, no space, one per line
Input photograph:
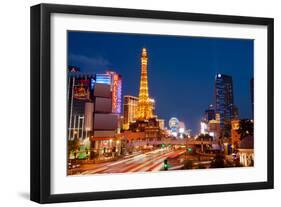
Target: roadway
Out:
[147,162]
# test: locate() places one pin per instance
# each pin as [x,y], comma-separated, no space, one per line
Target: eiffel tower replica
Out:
[146,120]
[145,104]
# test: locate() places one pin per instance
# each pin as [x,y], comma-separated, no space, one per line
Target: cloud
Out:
[88,63]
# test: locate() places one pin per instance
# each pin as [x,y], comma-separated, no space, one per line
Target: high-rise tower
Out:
[224,105]
[145,105]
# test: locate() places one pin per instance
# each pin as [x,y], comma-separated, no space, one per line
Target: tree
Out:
[246,128]
[73,145]
[225,133]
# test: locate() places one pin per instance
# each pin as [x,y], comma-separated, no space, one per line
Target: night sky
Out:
[181,70]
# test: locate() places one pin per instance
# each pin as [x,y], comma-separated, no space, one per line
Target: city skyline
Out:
[184,96]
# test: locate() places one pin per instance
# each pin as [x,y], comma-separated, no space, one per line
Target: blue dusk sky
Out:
[181,69]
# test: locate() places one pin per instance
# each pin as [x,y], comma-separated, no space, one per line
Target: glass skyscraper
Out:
[224,101]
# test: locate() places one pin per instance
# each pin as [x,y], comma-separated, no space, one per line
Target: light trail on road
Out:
[149,161]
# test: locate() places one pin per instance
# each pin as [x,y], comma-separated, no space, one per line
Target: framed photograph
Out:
[131,103]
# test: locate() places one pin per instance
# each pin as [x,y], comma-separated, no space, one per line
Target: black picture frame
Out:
[41,96]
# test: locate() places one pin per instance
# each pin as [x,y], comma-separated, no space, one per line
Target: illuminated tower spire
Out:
[144,108]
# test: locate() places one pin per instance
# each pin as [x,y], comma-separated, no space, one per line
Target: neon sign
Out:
[119,94]
[116,93]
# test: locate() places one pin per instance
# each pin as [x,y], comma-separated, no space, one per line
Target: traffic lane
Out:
[150,161]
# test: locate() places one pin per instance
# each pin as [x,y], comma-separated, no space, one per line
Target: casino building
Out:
[94,107]
[80,99]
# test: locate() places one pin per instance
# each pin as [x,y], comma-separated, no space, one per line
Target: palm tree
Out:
[73,145]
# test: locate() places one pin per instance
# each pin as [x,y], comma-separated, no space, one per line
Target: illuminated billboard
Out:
[81,89]
[81,93]
[103,78]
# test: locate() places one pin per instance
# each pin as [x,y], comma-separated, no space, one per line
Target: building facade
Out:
[252,95]
[246,151]
[214,128]
[115,81]
[130,104]
[93,112]
[107,115]
[79,97]
[224,100]
[161,123]
[235,136]
[210,113]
